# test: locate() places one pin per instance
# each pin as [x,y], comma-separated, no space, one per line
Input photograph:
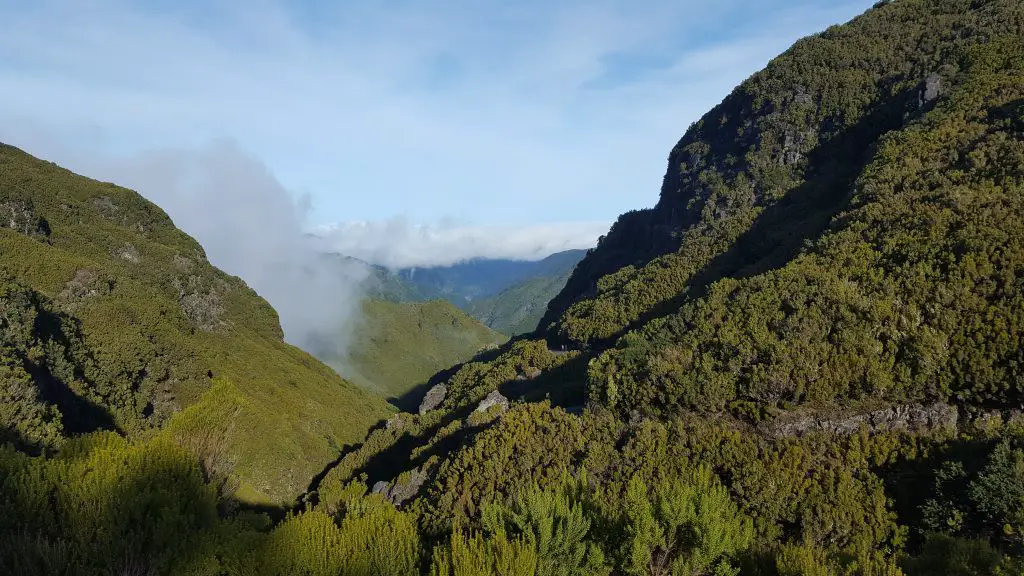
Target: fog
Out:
[400,243]
[254,228]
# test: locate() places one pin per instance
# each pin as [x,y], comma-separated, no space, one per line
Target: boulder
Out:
[435,396]
[406,486]
[403,489]
[493,399]
[931,88]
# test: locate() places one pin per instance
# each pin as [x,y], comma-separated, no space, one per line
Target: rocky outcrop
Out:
[396,422]
[202,305]
[20,216]
[435,396]
[931,88]
[128,252]
[493,399]
[912,417]
[86,284]
[403,489]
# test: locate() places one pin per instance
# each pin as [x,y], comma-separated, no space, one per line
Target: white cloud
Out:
[508,115]
[487,111]
[252,227]
[398,243]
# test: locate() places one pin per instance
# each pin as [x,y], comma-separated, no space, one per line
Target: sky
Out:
[411,133]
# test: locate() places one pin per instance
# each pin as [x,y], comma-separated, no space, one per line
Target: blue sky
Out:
[519,126]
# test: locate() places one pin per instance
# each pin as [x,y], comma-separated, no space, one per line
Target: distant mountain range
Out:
[509,296]
[398,346]
[416,322]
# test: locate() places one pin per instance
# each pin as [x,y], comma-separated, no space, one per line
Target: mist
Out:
[399,243]
[254,228]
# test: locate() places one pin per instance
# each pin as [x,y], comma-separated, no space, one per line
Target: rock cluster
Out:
[911,417]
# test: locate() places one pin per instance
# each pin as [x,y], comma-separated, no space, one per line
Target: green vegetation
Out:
[519,308]
[111,318]
[509,296]
[806,360]
[399,346]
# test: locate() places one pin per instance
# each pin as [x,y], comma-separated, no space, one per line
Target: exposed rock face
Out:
[493,399]
[931,89]
[201,305]
[128,252]
[86,284]
[20,216]
[435,396]
[403,489]
[913,417]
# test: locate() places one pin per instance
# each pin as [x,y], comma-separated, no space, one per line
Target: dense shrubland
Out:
[111,318]
[841,238]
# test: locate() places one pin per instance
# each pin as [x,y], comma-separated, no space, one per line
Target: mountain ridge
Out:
[806,360]
[159,327]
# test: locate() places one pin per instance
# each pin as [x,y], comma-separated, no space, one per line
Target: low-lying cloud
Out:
[399,243]
[253,227]
[250,226]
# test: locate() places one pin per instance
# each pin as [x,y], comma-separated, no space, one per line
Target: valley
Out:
[806,359]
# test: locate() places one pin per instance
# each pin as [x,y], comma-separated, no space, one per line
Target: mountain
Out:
[400,345]
[375,282]
[812,343]
[519,308]
[804,360]
[478,278]
[114,319]
[509,296]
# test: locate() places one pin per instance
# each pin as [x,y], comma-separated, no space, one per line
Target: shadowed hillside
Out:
[113,318]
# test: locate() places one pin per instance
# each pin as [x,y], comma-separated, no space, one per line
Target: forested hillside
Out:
[519,308]
[509,296]
[398,346]
[805,360]
[111,318]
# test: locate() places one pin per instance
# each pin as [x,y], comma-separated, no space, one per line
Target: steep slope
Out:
[400,345]
[771,165]
[823,382]
[478,278]
[113,318]
[519,308]
[825,310]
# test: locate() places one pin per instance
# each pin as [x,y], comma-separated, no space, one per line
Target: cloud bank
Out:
[398,243]
[252,227]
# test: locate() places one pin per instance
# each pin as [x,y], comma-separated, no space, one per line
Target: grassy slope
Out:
[401,345]
[519,308]
[159,321]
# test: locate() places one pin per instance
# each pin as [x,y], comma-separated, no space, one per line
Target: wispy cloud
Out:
[398,243]
[251,226]
[491,112]
[520,128]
